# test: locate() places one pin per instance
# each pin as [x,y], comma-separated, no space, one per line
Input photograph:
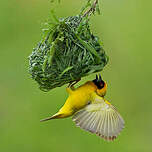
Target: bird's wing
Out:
[101,118]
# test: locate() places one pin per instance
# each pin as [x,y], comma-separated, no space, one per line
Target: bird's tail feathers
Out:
[55,116]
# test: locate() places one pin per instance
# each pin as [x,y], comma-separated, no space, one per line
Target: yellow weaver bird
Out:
[90,110]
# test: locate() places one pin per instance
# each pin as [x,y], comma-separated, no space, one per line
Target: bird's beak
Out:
[100,79]
[96,77]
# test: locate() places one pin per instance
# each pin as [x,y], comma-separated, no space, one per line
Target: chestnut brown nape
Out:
[99,82]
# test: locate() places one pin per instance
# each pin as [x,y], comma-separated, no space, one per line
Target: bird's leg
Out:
[70,87]
[75,82]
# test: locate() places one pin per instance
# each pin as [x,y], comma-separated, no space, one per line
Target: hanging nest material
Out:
[67,52]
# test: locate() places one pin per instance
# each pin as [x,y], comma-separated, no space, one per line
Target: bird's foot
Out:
[71,84]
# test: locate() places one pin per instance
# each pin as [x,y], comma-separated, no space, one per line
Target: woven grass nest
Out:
[67,52]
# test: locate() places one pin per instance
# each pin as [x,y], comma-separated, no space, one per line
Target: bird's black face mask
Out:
[99,82]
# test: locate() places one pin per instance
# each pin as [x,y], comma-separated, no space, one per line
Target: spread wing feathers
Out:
[100,118]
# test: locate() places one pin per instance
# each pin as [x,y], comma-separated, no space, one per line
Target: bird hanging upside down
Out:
[91,111]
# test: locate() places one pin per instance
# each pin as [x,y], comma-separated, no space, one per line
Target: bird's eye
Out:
[101,85]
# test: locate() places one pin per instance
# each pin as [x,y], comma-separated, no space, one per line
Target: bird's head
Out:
[100,85]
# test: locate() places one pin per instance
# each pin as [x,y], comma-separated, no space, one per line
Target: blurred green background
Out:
[125,27]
